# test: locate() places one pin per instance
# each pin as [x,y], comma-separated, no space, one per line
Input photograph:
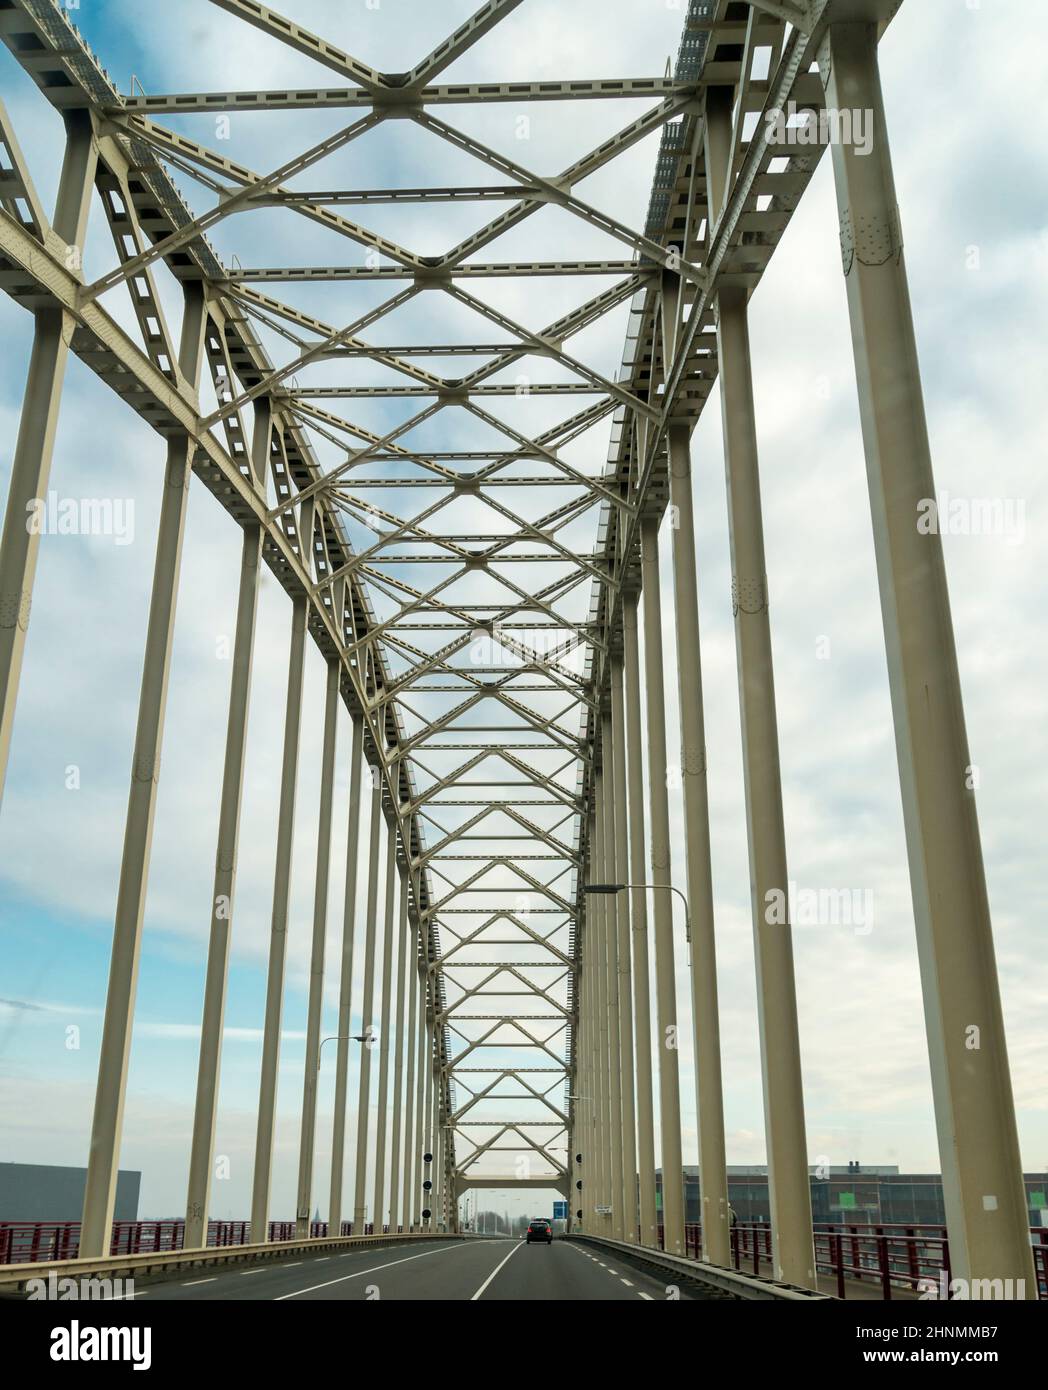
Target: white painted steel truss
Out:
[512,626]
[470,575]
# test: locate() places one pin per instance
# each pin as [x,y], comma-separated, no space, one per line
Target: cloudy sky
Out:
[976,228]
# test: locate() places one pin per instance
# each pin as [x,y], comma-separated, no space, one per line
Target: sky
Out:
[976,232]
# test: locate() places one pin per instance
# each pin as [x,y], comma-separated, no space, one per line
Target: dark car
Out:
[540,1229]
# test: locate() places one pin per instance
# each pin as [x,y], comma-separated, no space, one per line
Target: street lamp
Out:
[351,1037]
[610,889]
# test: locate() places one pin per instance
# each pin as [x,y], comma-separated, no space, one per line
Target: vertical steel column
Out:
[100,1187]
[202,1148]
[395,1174]
[267,1091]
[598,956]
[986,1209]
[591,1157]
[31,465]
[367,1009]
[448,1202]
[709,1096]
[612,929]
[311,1076]
[584,1080]
[789,1188]
[439,1185]
[429,1169]
[406,1176]
[662,900]
[345,992]
[577,1079]
[383,1028]
[576,1140]
[415,1164]
[596,976]
[619,873]
[639,926]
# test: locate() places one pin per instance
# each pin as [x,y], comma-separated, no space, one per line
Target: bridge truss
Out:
[476,584]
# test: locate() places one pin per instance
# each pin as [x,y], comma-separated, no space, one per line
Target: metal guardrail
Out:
[897,1256]
[35,1241]
[14,1277]
[723,1281]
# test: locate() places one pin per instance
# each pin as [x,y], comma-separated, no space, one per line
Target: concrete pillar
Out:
[662,900]
[403,958]
[311,1076]
[367,1009]
[31,465]
[267,1093]
[619,872]
[100,1187]
[384,1027]
[709,1096]
[345,993]
[611,932]
[208,1069]
[639,926]
[986,1209]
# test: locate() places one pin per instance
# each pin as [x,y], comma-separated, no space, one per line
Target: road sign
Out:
[560,1211]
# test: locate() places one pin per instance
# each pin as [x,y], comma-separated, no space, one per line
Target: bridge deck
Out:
[496,1269]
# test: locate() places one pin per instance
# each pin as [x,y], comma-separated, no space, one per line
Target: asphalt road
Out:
[467,1270]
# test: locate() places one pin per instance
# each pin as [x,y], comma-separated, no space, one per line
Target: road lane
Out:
[454,1271]
[501,1269]
[568,1272]
[278,1278]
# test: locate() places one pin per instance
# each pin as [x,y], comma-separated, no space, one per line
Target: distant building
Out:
[45,1192]
[852,1194]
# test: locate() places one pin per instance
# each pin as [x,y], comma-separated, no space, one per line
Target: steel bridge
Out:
[478,589]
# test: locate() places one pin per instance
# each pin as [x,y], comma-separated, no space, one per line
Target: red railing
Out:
[33,1241]
[897,1257]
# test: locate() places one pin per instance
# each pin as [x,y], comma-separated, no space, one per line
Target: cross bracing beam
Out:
[575,89]
[495,270]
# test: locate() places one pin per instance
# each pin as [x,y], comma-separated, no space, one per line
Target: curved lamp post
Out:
[351,1037]
[610,889]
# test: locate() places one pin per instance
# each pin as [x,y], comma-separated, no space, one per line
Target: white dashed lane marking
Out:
[615,1274]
